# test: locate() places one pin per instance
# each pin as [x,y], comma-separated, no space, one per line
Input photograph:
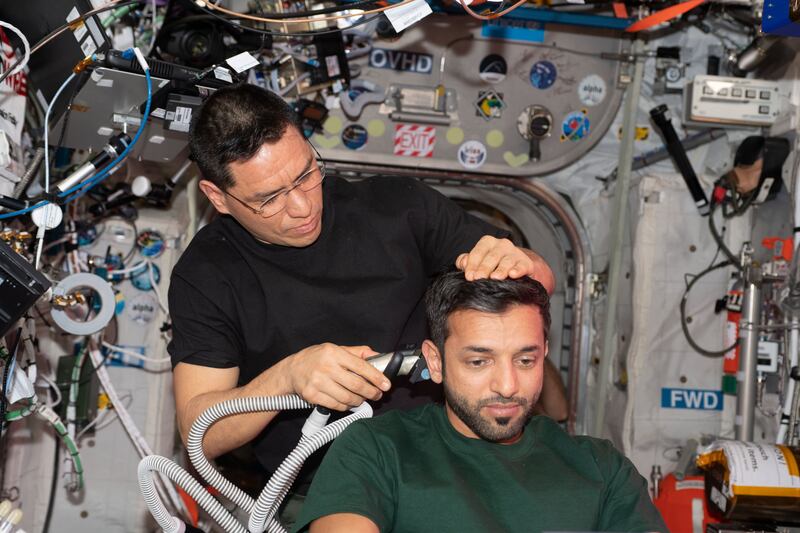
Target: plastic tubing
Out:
[271,497]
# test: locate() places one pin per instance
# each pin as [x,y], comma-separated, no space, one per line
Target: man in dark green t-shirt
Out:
[481,463]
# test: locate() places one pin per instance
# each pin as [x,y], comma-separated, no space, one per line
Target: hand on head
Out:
[495,258]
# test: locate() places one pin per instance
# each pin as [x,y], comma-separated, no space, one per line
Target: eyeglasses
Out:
[307,181]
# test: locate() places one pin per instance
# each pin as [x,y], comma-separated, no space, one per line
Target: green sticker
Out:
[333,125]
[455,135]
[515,160]
[376,128]
[495,138]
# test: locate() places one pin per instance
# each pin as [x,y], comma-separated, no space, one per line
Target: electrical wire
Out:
[151,273]
[47,130]
[114,348]
[325,10]
[720,241]
[103,419]
[6,378]
[293,20]
[61,29]
[363,21]
[18,65]
[492,15]
[84,187]
[684,323]
[79,19]
[52,385]
[53,486]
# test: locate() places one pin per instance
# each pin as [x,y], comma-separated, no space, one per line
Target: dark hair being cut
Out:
[451,292]
[232,125]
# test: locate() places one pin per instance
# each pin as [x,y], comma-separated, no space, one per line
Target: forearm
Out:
[234,431]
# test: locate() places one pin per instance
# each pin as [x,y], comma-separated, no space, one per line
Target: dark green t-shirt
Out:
[412,471]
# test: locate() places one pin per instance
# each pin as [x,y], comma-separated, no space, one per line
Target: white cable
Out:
[25,45]
[54,387]
[108,415]
[136,355]
[47,131]
[786,412]
[138,440]
[141,265]
[153,28]
[150,272]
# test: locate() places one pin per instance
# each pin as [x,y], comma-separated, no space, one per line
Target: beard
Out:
[493,429]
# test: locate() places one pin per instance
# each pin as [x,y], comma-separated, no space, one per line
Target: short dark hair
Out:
[232,125]
[451,292]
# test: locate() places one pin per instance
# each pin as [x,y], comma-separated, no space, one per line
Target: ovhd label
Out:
[706,400]
[401,60]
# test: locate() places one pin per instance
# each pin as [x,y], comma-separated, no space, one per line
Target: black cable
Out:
[53,486]
[684,324]
[322,11]
[76,85]
[63,27]
[720,242]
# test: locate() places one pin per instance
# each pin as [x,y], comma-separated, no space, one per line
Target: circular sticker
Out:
[355,136]
[592,90]
[141,278]
[376,128]
[455,135]
[142,308]
[575,126]
[493,69]
[110,264]
[472,154]
[495,138]
[332,125]
[543,74]
[151,243]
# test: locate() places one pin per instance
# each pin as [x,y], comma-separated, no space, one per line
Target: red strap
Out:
[191,506]
[664,15]
[620,11]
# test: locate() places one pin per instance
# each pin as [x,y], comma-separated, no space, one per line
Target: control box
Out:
[730,101]
[20,286]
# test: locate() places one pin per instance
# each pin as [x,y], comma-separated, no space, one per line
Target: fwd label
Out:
[707,400]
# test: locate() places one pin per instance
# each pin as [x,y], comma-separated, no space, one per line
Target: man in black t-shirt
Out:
[280,293]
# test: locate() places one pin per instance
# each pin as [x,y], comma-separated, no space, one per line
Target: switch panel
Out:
[732,101]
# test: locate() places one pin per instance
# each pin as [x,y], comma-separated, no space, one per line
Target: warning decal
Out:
[413,140]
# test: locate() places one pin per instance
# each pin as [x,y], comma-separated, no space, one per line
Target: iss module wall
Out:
[645,150]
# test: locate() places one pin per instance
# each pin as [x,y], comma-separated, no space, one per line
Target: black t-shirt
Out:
[238,302]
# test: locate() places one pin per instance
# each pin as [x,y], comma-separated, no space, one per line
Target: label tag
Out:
[242,62]
[401,60]
[221,73]
[705,400]
[413,140]
[404,16]
[182,119]
[759,469]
